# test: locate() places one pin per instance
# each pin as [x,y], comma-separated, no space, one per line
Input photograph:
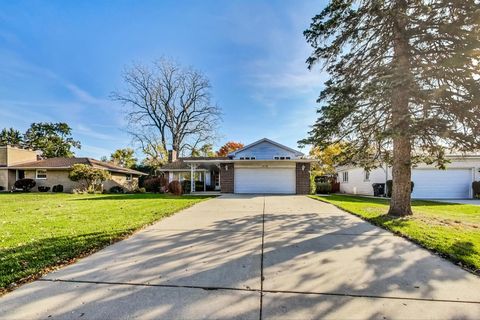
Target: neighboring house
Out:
[17,163]
[429,182]
[264,166]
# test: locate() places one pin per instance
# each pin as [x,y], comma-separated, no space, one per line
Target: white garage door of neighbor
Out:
[438,184]
[264,180]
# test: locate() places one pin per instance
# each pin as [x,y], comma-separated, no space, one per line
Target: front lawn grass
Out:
[40,231]
[452,230]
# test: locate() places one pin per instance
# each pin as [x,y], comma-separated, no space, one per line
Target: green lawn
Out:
[38,231]
[452,230]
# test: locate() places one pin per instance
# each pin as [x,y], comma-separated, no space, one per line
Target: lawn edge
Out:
[456,262]
[126,235]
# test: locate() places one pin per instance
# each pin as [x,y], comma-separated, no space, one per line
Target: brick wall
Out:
[302,178]
[227,171]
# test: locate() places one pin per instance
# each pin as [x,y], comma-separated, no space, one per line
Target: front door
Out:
[20,174]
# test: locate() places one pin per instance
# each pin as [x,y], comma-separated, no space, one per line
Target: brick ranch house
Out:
[264,166]
[17,163]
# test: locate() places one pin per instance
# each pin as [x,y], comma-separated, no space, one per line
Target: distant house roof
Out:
[67,163]
[180,163]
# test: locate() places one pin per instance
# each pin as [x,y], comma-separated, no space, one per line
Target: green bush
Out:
[186,186]
[25,184]
[116,189]
[324,187]
[43,189]
[389,186]
[57,188]
[476,189]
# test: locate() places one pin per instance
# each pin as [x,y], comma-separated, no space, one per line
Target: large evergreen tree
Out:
[404,79]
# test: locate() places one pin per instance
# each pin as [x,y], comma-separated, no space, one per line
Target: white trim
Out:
[36,174]
[297,153]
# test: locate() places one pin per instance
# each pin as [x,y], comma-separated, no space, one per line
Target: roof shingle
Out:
[67,163]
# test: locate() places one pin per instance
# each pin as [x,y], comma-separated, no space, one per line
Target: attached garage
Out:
[275,180]
[438,184]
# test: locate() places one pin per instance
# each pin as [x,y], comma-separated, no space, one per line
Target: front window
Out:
[129,177]
[41,174]
[345,176]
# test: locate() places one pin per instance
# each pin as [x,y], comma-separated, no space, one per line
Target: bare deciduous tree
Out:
[169,104]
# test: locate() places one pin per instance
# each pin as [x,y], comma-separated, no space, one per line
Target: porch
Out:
[201,176]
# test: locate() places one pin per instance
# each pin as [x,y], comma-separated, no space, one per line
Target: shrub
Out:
[25,184]
[175,188]
[90,177]
[186,186]
[389,186]
[43,188]
[140,190]
[476,189]
[156,184]
[116,189]
[57,188]
[324,187]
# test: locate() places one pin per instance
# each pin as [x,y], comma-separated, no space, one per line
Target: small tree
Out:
[229,147]
[88,176]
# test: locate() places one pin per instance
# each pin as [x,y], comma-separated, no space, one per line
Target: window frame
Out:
[41,178]
[345,176]
[128,177]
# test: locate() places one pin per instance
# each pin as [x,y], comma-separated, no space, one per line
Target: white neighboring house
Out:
[430,183]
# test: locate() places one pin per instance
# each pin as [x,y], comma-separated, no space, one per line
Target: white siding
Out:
[357,185]
[356,181]
[265,151]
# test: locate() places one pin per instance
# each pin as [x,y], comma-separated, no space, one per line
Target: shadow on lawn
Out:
[30,259]
[228,253]
[385,201]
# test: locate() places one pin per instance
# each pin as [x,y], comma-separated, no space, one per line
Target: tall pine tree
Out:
[404,83]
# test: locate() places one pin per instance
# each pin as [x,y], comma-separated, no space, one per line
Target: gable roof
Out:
[67,163]
[296,152]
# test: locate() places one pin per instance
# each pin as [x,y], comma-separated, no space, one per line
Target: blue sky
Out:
[60,61]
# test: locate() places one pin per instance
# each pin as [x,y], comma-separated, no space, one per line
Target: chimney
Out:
[172,156]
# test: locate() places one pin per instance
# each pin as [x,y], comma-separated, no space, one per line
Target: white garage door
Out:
[264,180]
[446,184]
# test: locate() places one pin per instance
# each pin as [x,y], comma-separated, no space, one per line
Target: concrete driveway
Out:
[254,257]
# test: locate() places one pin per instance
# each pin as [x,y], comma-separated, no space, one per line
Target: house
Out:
[264,166]
[429,182]
[17,163]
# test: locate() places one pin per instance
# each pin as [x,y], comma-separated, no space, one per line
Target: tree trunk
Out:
[400,204]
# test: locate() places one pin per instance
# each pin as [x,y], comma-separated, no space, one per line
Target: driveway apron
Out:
[254,257]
